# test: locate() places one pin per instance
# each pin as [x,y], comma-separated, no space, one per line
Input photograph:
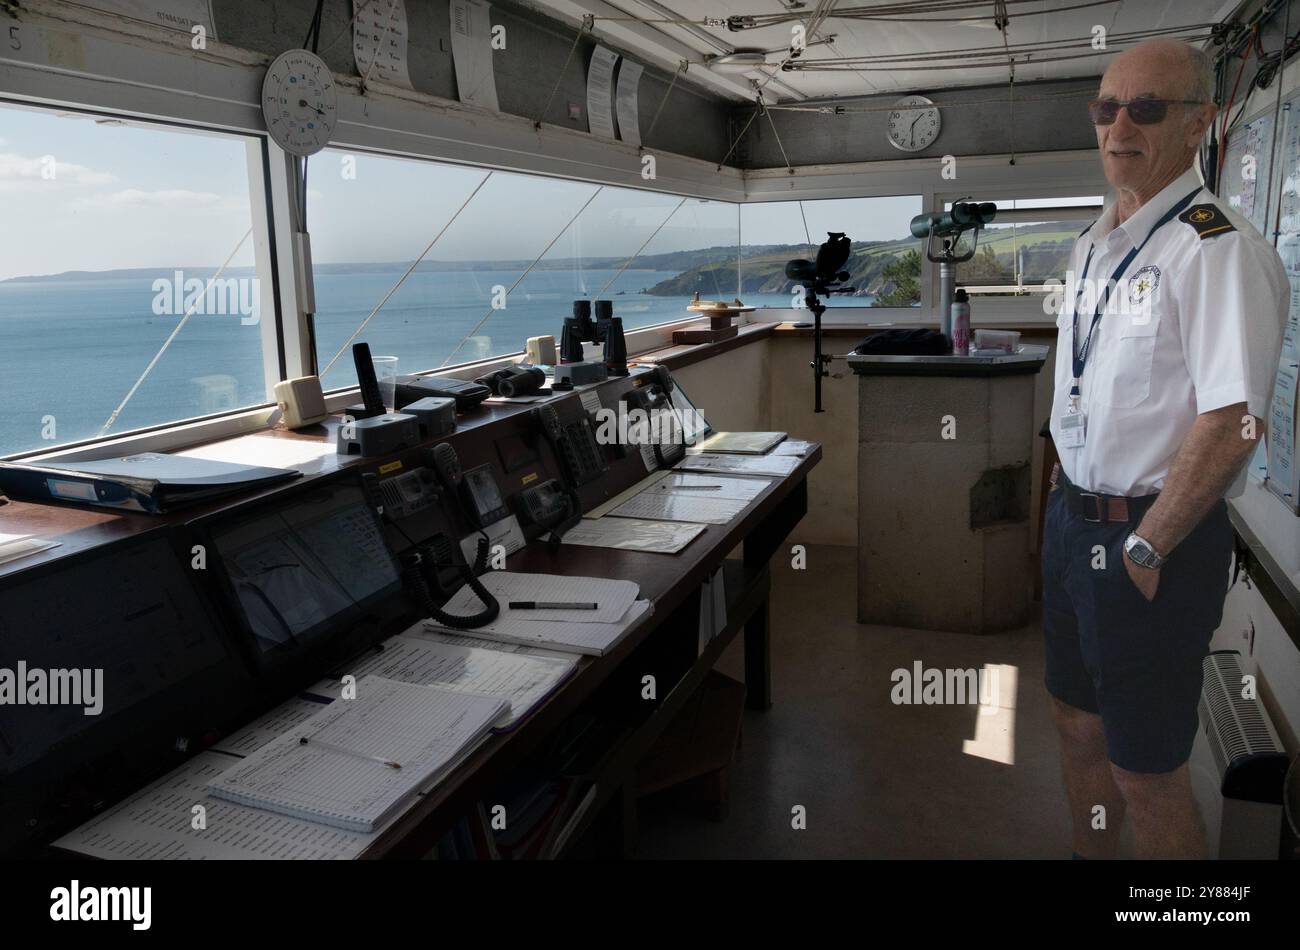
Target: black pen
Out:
[549,605]
[343,750]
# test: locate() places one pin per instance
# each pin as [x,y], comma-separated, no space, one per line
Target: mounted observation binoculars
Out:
[964,216]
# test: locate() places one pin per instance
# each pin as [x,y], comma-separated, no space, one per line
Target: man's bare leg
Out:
[1089,781]
[1166,823]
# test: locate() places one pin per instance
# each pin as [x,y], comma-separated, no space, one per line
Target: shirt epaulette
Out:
[1087,229]
[1207,220]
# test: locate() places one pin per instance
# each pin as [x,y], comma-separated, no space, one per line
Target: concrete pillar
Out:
[944,464]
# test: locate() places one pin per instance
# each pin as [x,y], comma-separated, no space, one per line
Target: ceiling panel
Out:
[903,47]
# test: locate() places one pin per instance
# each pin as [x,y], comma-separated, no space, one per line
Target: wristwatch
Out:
[1141,552]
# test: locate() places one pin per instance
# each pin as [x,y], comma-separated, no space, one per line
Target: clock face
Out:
[913,123]
[299,102]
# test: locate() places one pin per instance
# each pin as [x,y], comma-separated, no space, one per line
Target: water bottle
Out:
[961,324]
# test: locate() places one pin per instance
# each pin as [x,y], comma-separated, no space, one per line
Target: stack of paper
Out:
[634,534]
[696,507]
[159,822]
[704,485]
[741,443]
[793,447]
[593,632]
[353,763]
[685,496]
[773,464]
[521,680]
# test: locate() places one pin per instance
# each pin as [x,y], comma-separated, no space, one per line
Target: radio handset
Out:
[654,399]
[446,463]
[428,561]
[554,504]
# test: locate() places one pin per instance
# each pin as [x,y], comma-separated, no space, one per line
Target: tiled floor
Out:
[878,779]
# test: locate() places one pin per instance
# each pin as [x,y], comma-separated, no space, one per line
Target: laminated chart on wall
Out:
[379,41]
[600,92]
[1283,476]
[1246,165]
[471,53]
[626,102]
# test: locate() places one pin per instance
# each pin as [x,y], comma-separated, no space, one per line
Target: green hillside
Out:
[886,270]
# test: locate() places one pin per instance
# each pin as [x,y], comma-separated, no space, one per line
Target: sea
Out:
[71,350]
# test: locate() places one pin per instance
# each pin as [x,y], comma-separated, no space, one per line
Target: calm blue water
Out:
[71,350]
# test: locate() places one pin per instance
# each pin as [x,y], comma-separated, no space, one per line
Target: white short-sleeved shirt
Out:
[1193,324]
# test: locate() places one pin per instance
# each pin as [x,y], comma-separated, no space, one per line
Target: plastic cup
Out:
[386,375]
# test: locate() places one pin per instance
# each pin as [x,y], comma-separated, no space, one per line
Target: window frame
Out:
[155,78]
[262,218]
[151,75]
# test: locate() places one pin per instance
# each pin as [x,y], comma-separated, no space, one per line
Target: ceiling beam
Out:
[649,41]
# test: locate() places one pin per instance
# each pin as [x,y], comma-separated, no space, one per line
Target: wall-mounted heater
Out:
[1237,766]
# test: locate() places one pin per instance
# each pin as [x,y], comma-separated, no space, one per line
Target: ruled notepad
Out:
[423,728]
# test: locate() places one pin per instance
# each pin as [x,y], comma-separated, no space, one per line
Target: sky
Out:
[120,196]
[136,195]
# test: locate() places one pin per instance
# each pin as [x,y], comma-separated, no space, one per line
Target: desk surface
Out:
[665,579]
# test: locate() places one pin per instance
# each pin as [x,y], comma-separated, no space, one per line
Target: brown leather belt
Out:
[1098,508]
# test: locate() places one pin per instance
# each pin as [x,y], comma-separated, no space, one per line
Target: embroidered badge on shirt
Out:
[1143,284]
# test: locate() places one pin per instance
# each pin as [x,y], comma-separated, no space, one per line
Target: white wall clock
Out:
[299,102]
[914,123]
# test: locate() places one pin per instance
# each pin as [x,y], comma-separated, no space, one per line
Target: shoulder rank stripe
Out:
[1206,220]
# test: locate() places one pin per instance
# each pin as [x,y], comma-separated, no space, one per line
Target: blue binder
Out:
[150,481]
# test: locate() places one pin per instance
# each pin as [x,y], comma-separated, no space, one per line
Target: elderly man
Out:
[1168,339]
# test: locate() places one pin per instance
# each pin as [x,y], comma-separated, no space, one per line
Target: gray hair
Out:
[1200,68]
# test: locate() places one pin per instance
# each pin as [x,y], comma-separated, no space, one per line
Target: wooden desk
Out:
[672,583]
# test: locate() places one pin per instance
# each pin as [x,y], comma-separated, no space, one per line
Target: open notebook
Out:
[345,774]
[523,681]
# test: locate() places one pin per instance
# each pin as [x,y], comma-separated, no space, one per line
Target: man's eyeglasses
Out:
[1141,111]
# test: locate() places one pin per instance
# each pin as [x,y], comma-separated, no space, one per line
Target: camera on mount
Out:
[818,276]
[823,276]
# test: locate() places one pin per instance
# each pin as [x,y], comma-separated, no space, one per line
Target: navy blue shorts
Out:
[1110,651]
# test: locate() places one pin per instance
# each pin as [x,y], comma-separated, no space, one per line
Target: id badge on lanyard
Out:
[1073,422]
[1073,426]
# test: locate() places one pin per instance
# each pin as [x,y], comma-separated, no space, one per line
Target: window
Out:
[884,265]
[501,257]
[113,315]
[1027,245]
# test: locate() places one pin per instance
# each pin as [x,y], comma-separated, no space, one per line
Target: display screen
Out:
[486,495]
[93,639]
[695,427]
[308,567]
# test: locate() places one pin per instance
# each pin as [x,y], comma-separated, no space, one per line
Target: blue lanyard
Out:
[1081,355]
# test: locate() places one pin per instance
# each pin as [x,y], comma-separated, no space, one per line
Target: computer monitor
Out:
[303,572]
